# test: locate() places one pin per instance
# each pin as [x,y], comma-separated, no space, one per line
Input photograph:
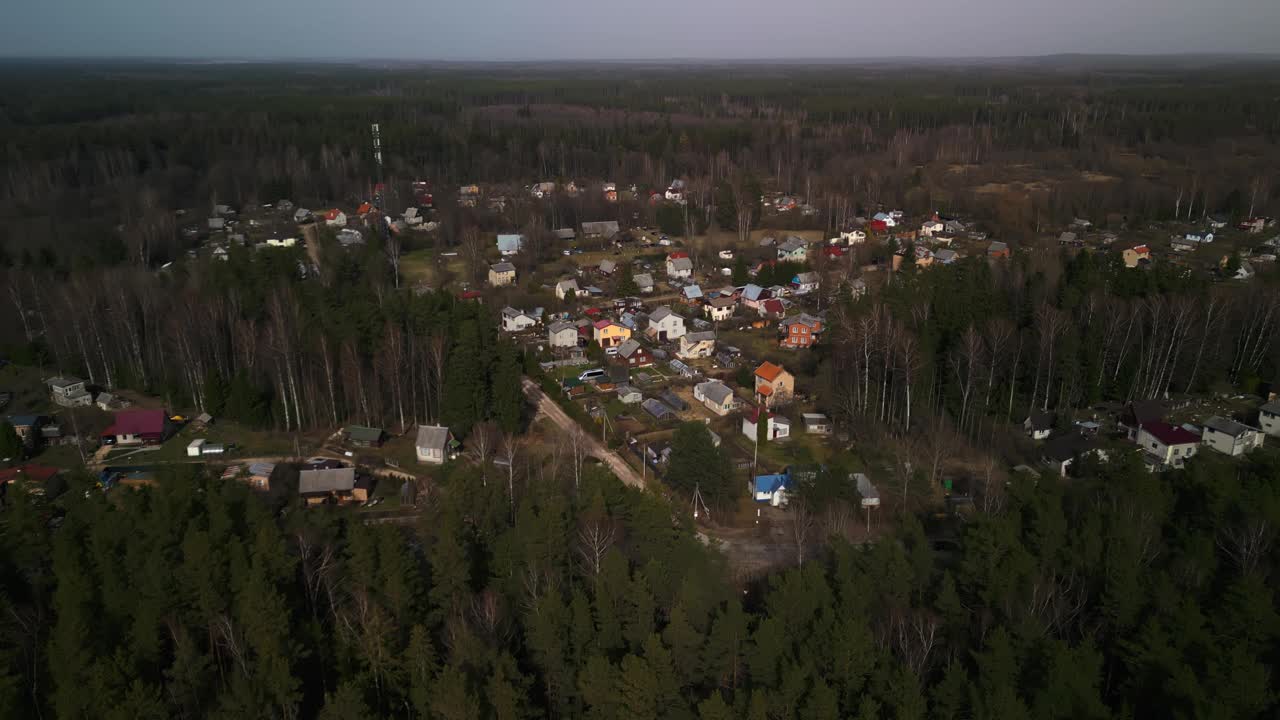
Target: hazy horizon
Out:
[688,30]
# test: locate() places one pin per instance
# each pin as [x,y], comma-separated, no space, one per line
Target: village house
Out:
[644,282]
[628,395]
[753,295]
[335,218]
[679,266]
[432,444]
[665,325]
[607,333]
[1230,437]
[503,273]
[923,256]
[1038,425]
[562,334]
[363,436]
[301,215]
[1167,445]
[691,295]
[138,427]
[929,227]
[774,384]
[110,402]
[885,219]
[772,309]
[1269,417]
[27,427]
[716,396]
[1062,452]
[69,392]
[816,423]
[805,283]
[633,354]
[719,309]
[566,287]
[853,237]
[998,249]
[510,244]
[793,249]
[1135,255]
[776,426]
[605,230]
[696,345]
[514,320]
[340,485]
[945,256]
[771,488]
[800,331]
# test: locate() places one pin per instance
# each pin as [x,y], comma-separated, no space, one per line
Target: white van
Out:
[590,375]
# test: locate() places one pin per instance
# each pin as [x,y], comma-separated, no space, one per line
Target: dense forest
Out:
[97,157]
[1128,595]
[558,592]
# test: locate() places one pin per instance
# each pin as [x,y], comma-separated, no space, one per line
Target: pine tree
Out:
[10,444]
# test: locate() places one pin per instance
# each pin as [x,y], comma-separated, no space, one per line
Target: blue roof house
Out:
[772,488]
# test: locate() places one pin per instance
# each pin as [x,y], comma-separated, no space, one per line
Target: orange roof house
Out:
[773,384]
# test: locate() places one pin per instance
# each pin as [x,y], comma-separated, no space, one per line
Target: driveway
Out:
[547,406]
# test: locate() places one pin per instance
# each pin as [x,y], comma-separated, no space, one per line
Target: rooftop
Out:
[769,372]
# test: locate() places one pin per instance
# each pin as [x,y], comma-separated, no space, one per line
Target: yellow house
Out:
[1132,256]
[503,273]
[609,334]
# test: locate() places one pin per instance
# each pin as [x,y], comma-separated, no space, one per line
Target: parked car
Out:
[589,375]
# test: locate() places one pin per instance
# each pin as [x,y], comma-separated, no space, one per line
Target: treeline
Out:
[985,343]
[248,339]
[86,185]
[1126,595]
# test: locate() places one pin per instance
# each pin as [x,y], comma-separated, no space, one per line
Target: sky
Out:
[506,30]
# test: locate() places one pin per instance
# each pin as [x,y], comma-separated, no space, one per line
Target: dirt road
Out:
[547,406]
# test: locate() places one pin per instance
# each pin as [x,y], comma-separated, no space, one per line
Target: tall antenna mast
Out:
[377,159]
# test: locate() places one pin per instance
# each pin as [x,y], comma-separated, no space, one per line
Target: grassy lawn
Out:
[61,456]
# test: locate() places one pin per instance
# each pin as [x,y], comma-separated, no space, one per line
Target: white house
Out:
[886,218]
[679,267]
[805,283]
[853,237]
[335,218]
[69,392]
[1167,445]
[562,335]
[1269,417]
[665,324]
[432,445]
[719,309]
[644,282]
[777,427]
[716,396]
[564,287]
[697,345]
[930,227]
[514,320]
[1230,437]
[793,249]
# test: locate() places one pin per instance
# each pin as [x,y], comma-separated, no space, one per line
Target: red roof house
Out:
[28,473]
[364,209]
[137,427]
